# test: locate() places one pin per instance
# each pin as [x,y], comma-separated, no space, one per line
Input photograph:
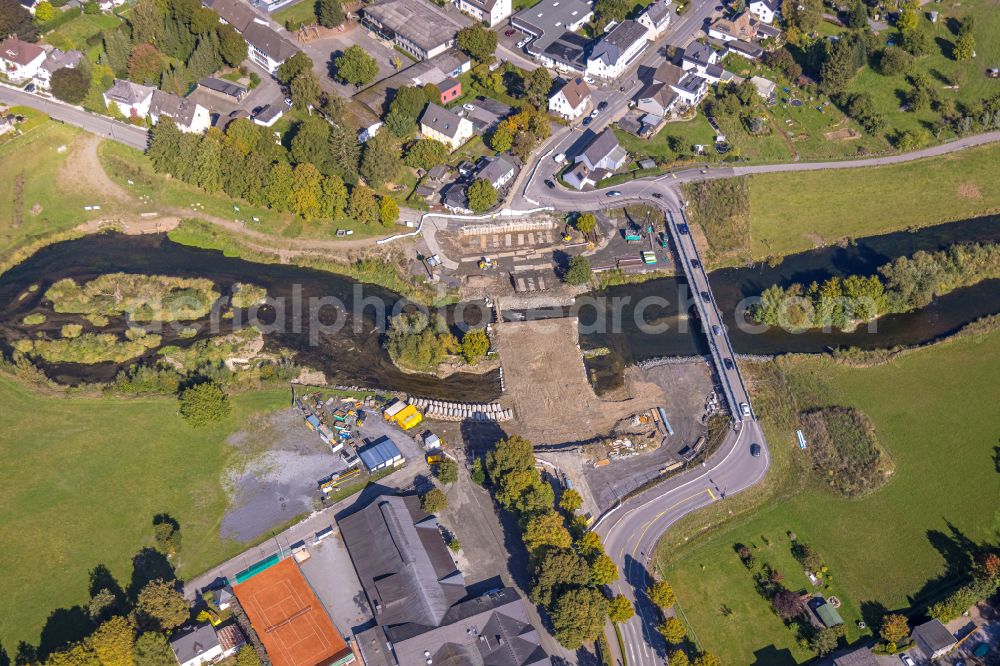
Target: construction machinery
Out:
[487,264]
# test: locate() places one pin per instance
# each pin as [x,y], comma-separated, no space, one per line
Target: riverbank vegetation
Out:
[916,403]
[722,209]
[845,450]
[89,348]
[792,212]
[419,342]
[247,295]
[141,297]
[70,450]
[384,271]
[903,285]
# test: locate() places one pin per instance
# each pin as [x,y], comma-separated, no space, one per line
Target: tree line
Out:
[309,179]
[903,285]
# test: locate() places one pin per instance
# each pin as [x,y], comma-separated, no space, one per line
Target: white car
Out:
[907,659]
[589,79]
[595,113]
[468,107]
[745,408]
[521,44]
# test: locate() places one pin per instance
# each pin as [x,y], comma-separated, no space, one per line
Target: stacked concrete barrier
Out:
[460,411]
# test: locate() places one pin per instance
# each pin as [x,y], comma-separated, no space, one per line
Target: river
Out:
[354,354]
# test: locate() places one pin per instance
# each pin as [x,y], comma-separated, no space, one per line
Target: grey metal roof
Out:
[489,630]
[222,86]
[404,565]
[934,635]
[276,47]
[383,450]
[441,120]
[547,20]
[602,146]
[165,104]
[569,49]
[374,647]
[417,21]
[189,643]
[618,41]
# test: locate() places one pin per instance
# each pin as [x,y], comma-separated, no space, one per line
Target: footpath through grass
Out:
[901,547]
[794,212]
[83,478]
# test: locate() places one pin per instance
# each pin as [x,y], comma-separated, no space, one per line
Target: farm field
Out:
[84,478]
[793,212]
[900,547]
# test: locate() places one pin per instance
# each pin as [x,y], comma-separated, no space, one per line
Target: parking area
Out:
[331,575]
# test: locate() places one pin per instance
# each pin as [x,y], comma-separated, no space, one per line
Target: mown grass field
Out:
[303,11]
[30,165]
[83,478]
[793,212]
[75,33]
[892,548]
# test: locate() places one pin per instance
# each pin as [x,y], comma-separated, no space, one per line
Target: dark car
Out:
[705,296]
[683,228]
[603,105]
[657,195]
[509,31]
[715,329]
[755,450]
[549,184]
[728,362]
[586,121]
[695,263]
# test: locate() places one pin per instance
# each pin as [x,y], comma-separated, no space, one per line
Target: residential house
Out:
[688,85]
[861,656]
[765,87]
[186,114]
[20,60]
[655,18]
[455,198]
[934,639]
[264,46]
[497,171]
[205,644]
[571,100]
[580,176]
[657,99]
[421,606]
[490,12]
[234,91]
[451,89]
[616,50]
[567,53]
[445,126]
[748,50]
[603,152]
[222,597]
[765,10]
[29,4]
[704,60]
[55,60]
[132,99]
[742,27]
[485,114]
[420,28]
[550,20]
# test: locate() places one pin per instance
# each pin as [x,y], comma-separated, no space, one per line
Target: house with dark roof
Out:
[485,113]
[132,99]
[222,87]
[420,28]
[549,20]
[205,644]
[445,126]
[380,454]
[861,656]
[748,50]
[20,60]
[451,89]
[616,50]
[490,12]
[186,114]
[603,152]
[455,198]
[571,100]
[497,170]
[698,56]
[264,45]
[655,18]
[567,53]
[657,98]
[934,639]
[55,60]
[422,609]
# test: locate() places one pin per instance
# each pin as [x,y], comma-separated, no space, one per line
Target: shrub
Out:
[434,501]
[475,344]
[447,470]
[579,271]
[34,319]
[204,404]
[71,330]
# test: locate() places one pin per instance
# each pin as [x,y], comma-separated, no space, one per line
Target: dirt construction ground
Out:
[546,379]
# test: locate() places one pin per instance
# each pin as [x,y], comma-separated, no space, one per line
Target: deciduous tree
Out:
[475,344]
[113,642]
[603,570]
[204,404]
[16,20]
[45,12]
[356,67]
[388,211]
[482,195]
[894,628]
[232,46]
[434,501]
[478,41]
[557,570]
[295,65]
[70,85]
[426,154]
[578,616]
[579,270]
[661,594]
[161,607]
[362,205]
[305,90]
[546,529]
[570,501]
[672,630]
[447,470]
[380,160]
[620,609]
[144,64]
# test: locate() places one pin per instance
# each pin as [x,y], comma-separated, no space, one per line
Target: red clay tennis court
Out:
[289,619]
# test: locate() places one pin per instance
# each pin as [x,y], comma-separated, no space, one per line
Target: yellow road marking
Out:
[710,493]
[660,514]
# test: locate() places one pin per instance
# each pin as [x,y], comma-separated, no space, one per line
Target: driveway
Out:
[333,43]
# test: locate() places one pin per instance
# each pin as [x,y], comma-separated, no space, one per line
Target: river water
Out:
[354,354]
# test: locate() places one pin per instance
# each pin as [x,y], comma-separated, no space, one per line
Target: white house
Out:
[616,51]
[205,644]
[656,19]
[691,89]
[264,46]
[765,87]
[765,10]
[490,12]
[698,56]
[445,126]
[497,171]
[55,60]
[20,60]
[571,100]
[132,99]
[186,114]
[657,98]
[603,152]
